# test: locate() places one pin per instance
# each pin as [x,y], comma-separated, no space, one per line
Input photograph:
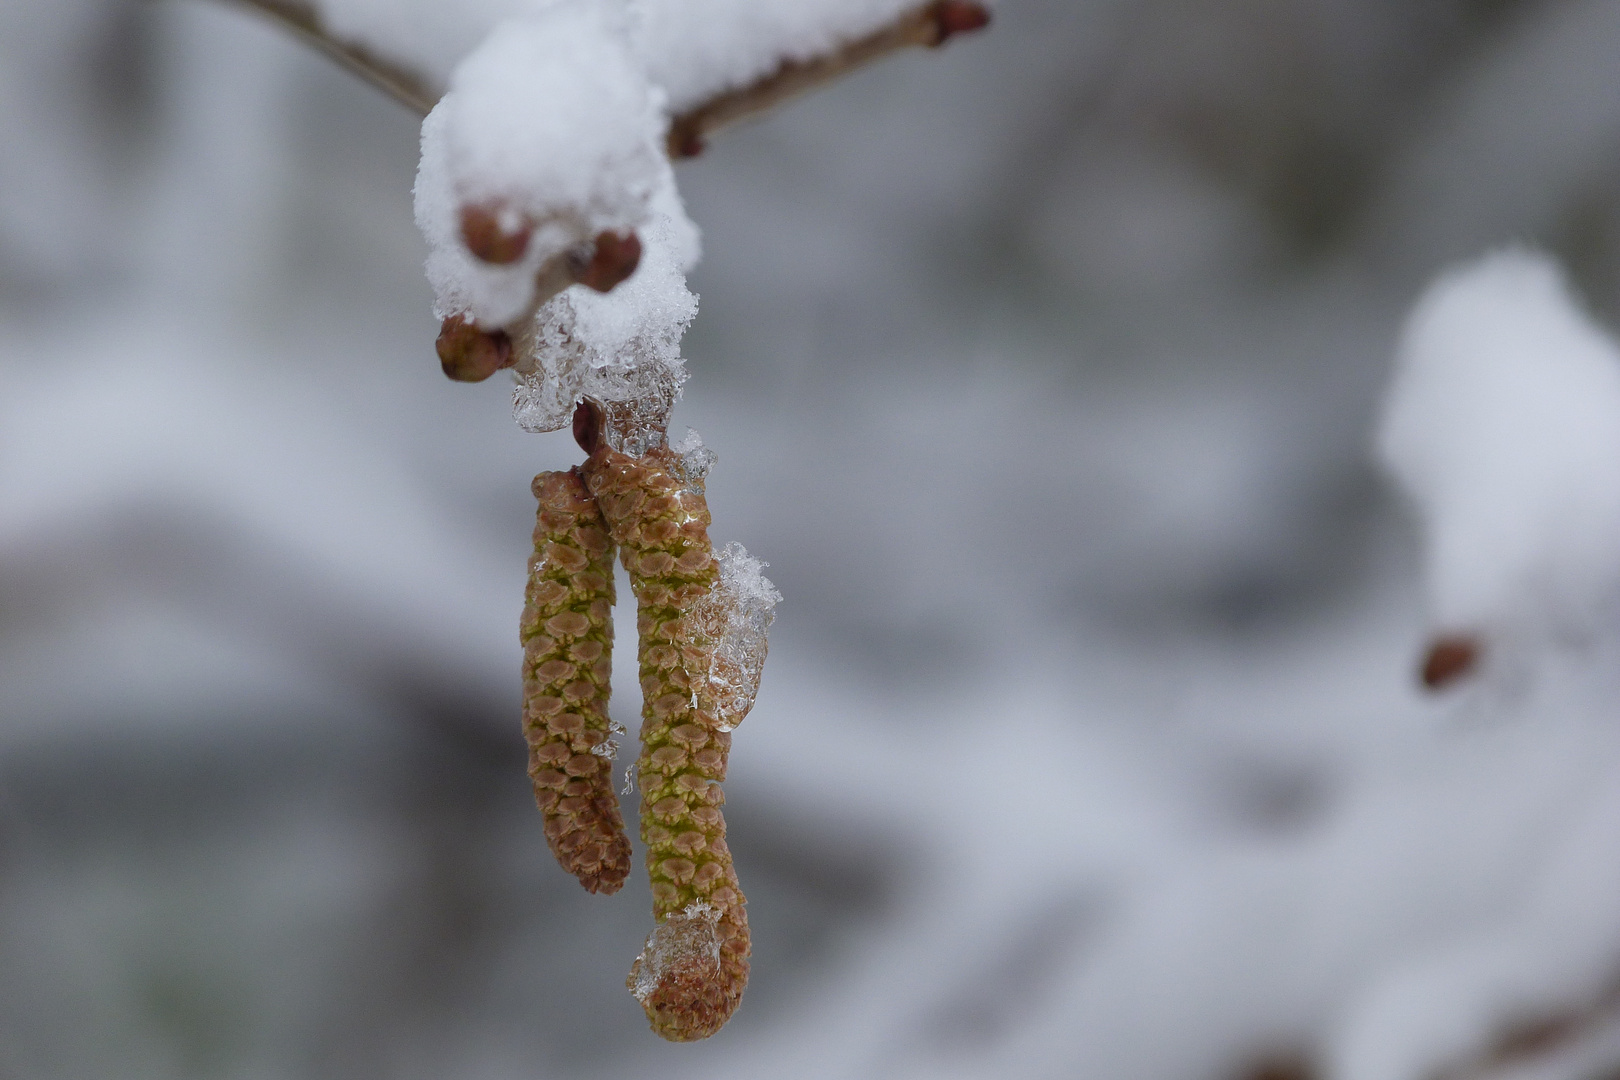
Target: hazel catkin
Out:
[690,976]
[567,634]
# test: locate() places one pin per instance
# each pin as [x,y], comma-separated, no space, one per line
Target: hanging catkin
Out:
[567,633]
[691,974]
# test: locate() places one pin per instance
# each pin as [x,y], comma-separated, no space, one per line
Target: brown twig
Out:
[929,26]
[1544,1037]
[408,87]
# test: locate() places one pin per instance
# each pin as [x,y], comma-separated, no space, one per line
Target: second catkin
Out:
[691,974]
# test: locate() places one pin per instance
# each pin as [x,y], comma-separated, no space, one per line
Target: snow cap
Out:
[1502,424]
[551,123]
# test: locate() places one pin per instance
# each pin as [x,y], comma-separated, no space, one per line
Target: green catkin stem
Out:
[690,981]
[567,634]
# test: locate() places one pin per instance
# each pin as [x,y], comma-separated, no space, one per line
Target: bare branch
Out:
[407,87]
[1593,1031]
[929,25]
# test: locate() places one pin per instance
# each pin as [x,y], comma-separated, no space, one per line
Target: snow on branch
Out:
[1502,425]
[813,45]
[930,25]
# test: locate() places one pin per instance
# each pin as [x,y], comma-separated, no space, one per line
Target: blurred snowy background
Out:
[1042,370]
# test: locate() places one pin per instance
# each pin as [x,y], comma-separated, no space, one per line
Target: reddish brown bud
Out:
[959,17]
[469,354]
[616,258]
[1449,658]
[588,426]
[686,142]
[493,233]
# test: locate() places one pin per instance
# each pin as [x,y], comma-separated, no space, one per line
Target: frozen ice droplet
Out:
[733,621]
[629,780]
[688,941]
[608,749]
[695,459]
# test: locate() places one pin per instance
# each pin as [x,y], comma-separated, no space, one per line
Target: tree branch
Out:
[928,25]
[407,87]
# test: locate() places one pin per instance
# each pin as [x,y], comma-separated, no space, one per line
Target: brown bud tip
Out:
[588,426]
[616,258]
[686,143]
[1449,658]
[469,354]
[959,17]
[494,233]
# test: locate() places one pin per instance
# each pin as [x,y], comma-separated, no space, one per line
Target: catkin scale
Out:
[691,976]
[567,634]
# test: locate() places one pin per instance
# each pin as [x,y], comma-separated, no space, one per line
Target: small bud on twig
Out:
[469,354]
[1450,657]
[614,259]
[494,232]
[954,17]
[588,426]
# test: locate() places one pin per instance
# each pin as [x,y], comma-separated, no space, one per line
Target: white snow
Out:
[550,118]
[622,346]
[696,49]
[1503,426]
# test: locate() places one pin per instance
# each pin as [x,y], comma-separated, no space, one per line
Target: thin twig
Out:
[407,87]
[1547,1038]
[927,25]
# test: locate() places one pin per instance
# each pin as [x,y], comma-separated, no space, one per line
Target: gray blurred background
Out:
[1041,371]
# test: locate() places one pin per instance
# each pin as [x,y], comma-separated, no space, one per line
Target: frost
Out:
[1503,425]
[620,349]
[686,940]
[734,619]
[550,119]
[629,787]
[695,459]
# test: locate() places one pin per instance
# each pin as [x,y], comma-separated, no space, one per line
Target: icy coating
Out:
[620,349]
[687,941]
[694,460]
[734,618]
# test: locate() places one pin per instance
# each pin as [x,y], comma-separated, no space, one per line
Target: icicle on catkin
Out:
[690,976]
[567,633]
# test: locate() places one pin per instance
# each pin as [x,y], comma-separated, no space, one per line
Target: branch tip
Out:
[1449,658]
[613,259]
[495,233]
[953,17]
[469,354]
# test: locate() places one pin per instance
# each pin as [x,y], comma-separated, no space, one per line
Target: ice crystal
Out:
[619,349]
[734,620]
[685,940]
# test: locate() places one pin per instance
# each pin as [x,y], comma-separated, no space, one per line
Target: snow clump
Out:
[551,122]
[1502,424]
